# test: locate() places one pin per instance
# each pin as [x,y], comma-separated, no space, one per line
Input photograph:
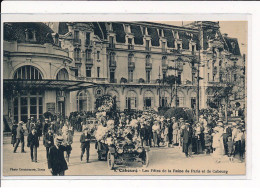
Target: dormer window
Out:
[87,38]
[163,46]
[30,35]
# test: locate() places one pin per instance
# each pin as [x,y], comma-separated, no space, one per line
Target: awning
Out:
[49,84]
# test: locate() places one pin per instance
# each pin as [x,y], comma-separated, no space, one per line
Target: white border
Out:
[173,7]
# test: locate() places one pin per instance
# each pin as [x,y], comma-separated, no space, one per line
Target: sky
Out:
[234,29]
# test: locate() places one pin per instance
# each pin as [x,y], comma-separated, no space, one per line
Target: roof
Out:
[16,31]
[51,84]
[232,45]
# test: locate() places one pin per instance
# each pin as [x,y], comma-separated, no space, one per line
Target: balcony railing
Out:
[215,70]
[131,64]
[148,48]
[113,80]
[112,63]
[111,45]
[164,66]
[148,65]
[88,43]
[92,79]
[77,41]
[77,60]
[131,47]
[89,61]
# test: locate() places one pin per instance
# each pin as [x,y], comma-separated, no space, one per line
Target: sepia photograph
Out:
[124,98]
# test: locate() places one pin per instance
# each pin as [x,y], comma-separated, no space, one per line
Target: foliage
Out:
[185,113]
[123,80]
[105,103]
[141,80]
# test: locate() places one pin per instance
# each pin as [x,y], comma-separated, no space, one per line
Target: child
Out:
[230,146]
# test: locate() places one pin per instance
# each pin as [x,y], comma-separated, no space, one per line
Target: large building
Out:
[127,60]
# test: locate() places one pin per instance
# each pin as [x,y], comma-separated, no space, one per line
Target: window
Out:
[193,102]
[62,75]
[163,47]
[88,55]
[148,100]
[164,101]
[82,101]
[220,77]
[88,71]
[98,55]
[131,75]
[76,35]
[179,77]
[148,76]
[178,46]
[112,61]
[131,100]
[98,71]
[87,38]
[112,76]
[180,101]
[28,104]
[220,63]
[235,77]
[76,72]
[164,75]
[28,72]
[193,49]
[111,42]
[77,55]
[147,47]
[130,41]
[193,77]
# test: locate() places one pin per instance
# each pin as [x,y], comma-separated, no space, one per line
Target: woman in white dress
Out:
[218,145]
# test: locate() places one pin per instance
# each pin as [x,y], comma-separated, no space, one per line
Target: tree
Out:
[230,88]
[170,80]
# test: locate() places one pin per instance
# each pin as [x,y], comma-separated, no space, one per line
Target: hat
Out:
[46,119]
[234,124]
[183,127]
[20,122]
[181,119]
[59,139]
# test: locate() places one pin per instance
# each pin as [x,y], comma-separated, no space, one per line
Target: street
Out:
[162,161]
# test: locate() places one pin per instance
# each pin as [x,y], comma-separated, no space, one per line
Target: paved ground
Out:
[163,161]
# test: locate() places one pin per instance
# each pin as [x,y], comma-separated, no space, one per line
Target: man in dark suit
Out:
[20,137]
[186,135]
[85,144]
[33,144]
[144,134]
[48,142]
[56,160]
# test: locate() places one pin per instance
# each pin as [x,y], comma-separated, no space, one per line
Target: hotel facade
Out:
[64,67]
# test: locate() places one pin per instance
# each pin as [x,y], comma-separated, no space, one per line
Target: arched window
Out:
[82,101]
[28,72]
[131,100]
[148,100]
[62,75]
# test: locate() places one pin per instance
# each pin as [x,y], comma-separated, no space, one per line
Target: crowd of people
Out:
[208,135]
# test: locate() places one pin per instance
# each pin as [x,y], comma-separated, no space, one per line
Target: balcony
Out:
[148,48]
[92,79]
[131,47]
[215,70]
[111,45]
[164,66]
[112,63]
[77,60]
[131,65]
[88,43]
[148,65]
[113,80]
[77,42]
[89,61]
